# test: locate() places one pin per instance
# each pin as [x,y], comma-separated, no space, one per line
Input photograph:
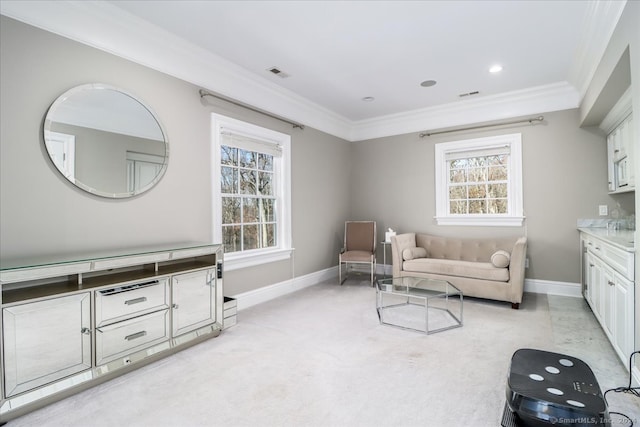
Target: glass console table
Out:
[419,304]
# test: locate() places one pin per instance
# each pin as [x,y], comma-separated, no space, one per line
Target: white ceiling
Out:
[337,52]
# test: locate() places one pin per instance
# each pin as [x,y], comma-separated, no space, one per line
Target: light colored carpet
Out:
[319,357]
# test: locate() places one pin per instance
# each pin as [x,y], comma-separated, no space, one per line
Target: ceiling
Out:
[336,53]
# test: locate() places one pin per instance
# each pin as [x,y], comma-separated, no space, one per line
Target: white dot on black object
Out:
[552,370]
[536,377]
[566,362]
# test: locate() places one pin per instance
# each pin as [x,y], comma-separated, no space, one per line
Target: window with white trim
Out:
[479,181]
[251,192]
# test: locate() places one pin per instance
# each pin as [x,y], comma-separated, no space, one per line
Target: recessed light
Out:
[368,99]
[428,83]
[495,68]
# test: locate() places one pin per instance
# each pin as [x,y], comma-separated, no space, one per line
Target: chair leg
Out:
[346,272]
[372,268]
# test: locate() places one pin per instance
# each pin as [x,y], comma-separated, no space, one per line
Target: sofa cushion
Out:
[413,253]
[466,249]
[474,270]
[501,258]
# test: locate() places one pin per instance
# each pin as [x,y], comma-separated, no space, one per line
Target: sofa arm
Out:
[398,244]
[516,269]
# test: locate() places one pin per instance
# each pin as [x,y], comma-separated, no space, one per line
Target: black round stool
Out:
[545,389]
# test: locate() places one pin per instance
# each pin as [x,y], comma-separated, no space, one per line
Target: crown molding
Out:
[597,29]
[552,97]
[111,29]
[618,113]
[108,28]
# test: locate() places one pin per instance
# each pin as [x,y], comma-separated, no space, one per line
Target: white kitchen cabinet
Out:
[609,290]
[623,307]
[594,283]
[621,142]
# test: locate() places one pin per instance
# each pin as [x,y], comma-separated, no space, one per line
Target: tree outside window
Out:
[248,199]
[479,181]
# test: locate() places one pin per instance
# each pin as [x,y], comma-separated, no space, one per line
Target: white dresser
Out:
[70,322]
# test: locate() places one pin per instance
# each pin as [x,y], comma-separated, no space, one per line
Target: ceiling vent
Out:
[475,92]
[278,72]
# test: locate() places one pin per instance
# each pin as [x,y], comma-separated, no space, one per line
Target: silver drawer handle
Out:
[136,335]
[135,301]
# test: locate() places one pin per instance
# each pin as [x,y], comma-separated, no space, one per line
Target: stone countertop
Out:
[623,239]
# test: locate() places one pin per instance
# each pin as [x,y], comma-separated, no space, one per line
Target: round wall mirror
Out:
[105,141]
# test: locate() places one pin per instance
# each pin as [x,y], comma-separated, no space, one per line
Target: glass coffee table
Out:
[419,304]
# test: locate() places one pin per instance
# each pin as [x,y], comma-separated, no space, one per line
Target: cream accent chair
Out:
[359,246]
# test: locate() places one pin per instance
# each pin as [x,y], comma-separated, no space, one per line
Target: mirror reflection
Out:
[105,141]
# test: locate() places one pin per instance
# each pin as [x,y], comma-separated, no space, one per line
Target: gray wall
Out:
[388,179]
[42,213]
[564,178]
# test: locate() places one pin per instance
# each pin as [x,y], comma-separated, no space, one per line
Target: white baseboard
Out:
[257,296]
[549,287]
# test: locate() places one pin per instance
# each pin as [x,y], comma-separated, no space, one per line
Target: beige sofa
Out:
[483,268]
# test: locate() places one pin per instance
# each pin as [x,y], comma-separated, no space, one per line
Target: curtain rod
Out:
[204,93]
[531,120]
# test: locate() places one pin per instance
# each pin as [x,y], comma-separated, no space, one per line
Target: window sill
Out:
[485,221]
[249,259]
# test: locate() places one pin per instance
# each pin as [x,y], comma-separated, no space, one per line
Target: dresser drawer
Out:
[133,299]
[122,338]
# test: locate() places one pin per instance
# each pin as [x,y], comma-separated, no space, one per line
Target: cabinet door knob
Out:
[85,331]
[175,306]
[611,283]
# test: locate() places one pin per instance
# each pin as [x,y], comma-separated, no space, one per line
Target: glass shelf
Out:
[93,256]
